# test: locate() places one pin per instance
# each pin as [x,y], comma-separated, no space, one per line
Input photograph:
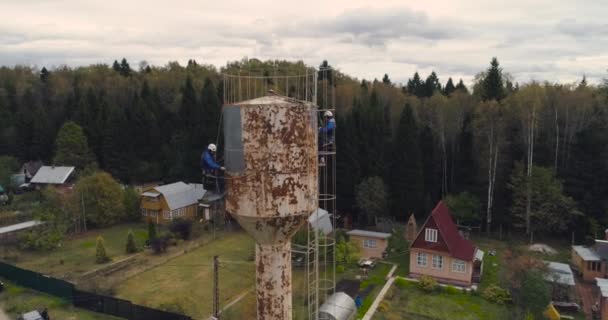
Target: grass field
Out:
[185,283]
[405,301]
[17,300]
[77,254]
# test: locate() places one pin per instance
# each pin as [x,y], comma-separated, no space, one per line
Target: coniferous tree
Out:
[131,247]
[386,80]
[151,231]
[406,181]
[492,85]
[125,69]
[44,75]
[71,146]
[100,253]
[431,85]
[116,66]
[449,87]
[462,87]
[415,86]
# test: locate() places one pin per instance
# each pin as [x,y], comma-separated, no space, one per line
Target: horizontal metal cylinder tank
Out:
[271,186]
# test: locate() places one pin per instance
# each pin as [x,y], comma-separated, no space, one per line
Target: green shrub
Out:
[131,246]
[451,290]
[427,283]
[340,269]
[384,306]
[496,294]
[100,255]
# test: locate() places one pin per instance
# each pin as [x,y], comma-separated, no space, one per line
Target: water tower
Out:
[272,150]
[271,186]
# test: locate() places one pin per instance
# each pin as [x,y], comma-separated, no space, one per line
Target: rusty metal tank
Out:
[271,186]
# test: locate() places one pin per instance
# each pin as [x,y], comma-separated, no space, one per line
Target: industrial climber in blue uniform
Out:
[327,131]
[210,167]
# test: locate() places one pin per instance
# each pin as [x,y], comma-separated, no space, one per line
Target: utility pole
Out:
[216,289]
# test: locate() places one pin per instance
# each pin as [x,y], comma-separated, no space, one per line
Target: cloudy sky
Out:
[554,40]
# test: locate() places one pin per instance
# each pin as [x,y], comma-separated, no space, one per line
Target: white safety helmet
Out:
[328,114]
[212,147]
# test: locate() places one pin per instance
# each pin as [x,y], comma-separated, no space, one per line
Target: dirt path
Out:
[3,315]
[585,291]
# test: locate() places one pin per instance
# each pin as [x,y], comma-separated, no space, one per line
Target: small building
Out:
[411,229]
[372,244]
[10,234]
[561,280]
[164,203]
[441,252]
[51,175]
[590,262]
[602,307]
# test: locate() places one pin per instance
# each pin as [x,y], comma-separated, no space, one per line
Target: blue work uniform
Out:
[328,131]
[208,162]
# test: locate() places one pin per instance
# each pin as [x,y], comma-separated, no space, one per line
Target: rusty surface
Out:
[276,192]
[273,281]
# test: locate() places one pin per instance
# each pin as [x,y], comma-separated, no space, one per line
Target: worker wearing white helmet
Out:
[329,129]
[208,162]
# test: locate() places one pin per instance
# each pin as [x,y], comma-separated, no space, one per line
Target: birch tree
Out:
[490,138]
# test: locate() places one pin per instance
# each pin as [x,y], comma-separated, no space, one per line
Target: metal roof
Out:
[52,175]
[586,253]
[603,285]
[320,221]
[179,194]
[601,248]
[371,234]
[559,273]
[339,306]
[150,194]
[20,226]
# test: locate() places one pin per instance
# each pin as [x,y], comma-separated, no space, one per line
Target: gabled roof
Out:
[179,194]
[52,175]
[601,248]
[603,285]
[586,253]
[457,246]
[369,234]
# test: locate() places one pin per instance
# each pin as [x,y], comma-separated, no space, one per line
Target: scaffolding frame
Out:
[317,87]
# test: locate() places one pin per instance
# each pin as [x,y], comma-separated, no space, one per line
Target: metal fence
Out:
[83,299]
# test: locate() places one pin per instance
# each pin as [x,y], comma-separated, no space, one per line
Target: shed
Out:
[52,175]
[339,306]
[372,244]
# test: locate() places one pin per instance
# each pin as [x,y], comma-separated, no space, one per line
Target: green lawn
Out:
[186,282]
[403,262]
[17,300]
[77,254]
[405,301]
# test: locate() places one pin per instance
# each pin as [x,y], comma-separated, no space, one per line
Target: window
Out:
[593,265]
[369,243]
[459,266]
[430,235]
[421,259]
[437,261]
[166,214]
[144,212]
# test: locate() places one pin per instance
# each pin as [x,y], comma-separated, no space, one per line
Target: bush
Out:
[100,255]
[160,243]
[384,306]
[452,290]
[181,228]
[496,294]
[427,283]
[340,269]
[151,232]
[131,245]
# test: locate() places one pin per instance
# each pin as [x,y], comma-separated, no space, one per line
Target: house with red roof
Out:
[440,251]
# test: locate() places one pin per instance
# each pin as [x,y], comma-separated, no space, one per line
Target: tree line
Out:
[530,156]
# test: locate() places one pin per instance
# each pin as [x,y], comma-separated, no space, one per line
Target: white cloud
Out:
[541,40]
